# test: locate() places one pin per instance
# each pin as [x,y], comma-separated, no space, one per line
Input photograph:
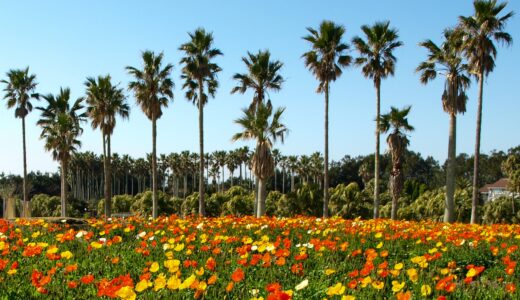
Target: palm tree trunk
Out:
[261,197]
[475,196]
[63,188]
[202,207]
[185,186]
[326,156]
[109,178]
[275,186]
[449,211]
[376,160]
[154,167]
[283,180]
[292,181]
[257,187]
[106,184]
[26,210]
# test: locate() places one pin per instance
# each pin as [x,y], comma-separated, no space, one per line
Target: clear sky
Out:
[63,42]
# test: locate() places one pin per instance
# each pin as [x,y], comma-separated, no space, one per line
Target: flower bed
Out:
[249,258]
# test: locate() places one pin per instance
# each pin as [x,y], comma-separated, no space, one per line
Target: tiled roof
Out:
[500,184]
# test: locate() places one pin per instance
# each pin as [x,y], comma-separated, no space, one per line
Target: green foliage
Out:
[349,202]
[503,210]
[120,204]
[240,202]
[143,204]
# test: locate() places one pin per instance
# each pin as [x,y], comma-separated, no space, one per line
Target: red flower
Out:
[87,279]
[238,275]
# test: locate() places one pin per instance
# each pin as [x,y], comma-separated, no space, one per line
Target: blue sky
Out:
[63,42]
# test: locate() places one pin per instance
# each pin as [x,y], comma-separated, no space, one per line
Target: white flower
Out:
[200,225]
[151,238]
[254,292]
[264,227]
[103,240]
[141,234]
[254,247]
[298,245]
[166,246]
[80,234]
[302,285]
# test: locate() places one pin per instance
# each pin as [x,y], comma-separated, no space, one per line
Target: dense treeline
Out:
[424,177]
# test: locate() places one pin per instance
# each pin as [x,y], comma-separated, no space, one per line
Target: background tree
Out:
[264,126]
[61,127]
[199,70]
[325,60]
[377,62]
[20,89]
[397,122]
[105,101]
[153,89]
[446,60]
[480,31]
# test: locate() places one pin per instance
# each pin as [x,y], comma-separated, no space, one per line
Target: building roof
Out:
[500,184]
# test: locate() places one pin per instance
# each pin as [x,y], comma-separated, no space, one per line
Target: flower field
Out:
[266,258]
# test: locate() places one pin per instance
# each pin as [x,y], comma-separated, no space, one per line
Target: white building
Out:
[492,191]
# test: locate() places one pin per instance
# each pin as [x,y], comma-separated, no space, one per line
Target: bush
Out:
[43,205]
[143,204]
[503,210]
[349,202]
[120,204]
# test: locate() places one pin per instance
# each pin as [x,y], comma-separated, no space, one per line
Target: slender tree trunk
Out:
[26,208]
[283,181]
[109,178]
[154,168]
[449,211]
[185,186]
[106,185]
[275,186]
[376,164]
[63,188]
[326,156]
[261,197]
[202,206]
[475,196]
[257,194]
[292,181]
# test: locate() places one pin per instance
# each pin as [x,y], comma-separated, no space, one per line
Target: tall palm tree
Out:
[198,72]
[325,60]
[264,126]
[446,60]
[153,89]
[61,126]
[20,89]
[105,101]
[397,122]
[480,31]
[263,74]
[377,62]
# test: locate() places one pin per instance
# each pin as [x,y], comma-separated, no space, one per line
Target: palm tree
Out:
[377,62]
[263,74]
[264,126]
[325,61]
[198,70]
[480,31]
[397,142]
[153,88]
[446,60]
[61,127]
[105,101]
[20,89]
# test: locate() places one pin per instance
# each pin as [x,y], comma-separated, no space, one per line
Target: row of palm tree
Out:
[468,48]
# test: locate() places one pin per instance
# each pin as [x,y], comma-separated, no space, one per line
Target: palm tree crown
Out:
[376,53]
[397,121]
[105,101]
[153,87]
[479,32]
[198,66]
[263,74]
[327,56]
[446,60]
[61,124]
[19,90]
